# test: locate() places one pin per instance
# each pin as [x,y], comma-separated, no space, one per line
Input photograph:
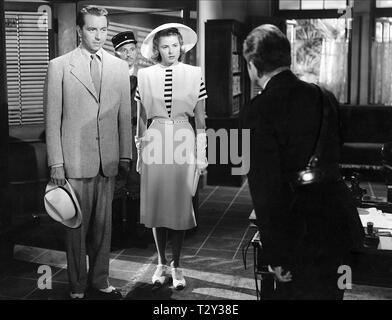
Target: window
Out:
[320,42]
[383,3]
[320,52]
[312,4]
[27,55]
[381,55]
[381,79]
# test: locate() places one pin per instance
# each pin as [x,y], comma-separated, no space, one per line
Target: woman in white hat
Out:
[168,93]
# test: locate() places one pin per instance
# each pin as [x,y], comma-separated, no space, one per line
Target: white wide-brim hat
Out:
[62,205]
[188,35]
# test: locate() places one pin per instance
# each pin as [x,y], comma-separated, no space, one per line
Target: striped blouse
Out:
[168,94]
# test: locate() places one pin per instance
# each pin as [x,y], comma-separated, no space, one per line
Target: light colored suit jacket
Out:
[81,131]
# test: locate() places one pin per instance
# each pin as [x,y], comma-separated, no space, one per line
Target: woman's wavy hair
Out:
[156,56]
[268,48]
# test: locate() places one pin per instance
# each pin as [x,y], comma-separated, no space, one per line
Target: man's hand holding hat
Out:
[57,175]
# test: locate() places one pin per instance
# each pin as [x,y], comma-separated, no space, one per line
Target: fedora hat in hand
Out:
[188,35]
[62,205]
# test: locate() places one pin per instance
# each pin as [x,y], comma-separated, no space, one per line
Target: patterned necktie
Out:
[95,74]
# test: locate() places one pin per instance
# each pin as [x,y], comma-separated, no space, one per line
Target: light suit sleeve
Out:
[53,109]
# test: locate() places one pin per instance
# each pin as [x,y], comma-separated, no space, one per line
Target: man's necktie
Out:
[95,74]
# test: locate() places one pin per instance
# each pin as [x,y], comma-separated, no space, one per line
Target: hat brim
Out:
[124,43]
[74,222]
[188,35]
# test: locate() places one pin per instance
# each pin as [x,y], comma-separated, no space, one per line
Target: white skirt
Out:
[167,172]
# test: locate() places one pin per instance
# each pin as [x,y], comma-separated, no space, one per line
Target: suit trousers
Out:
[93,237]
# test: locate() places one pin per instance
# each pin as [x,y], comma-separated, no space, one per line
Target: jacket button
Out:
[97,138]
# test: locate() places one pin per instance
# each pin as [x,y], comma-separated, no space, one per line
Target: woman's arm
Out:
[200,118]
[141,128]
[141,125]
[201,136]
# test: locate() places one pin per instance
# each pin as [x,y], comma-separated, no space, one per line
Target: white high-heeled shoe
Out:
[178,278]
[160,275]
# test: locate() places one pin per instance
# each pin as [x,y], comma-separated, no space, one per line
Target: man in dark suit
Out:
[306,231]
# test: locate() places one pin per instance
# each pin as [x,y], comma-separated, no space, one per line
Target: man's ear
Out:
[253,69]
[252,65]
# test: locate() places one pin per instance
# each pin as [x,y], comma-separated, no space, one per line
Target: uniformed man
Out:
[125,47]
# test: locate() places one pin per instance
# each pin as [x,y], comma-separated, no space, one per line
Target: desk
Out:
[373,266]
[370,265]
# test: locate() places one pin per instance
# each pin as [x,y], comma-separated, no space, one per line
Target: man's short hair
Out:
[95,11]
[268,48]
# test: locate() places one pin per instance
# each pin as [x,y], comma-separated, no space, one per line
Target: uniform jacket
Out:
[284,121]
[133,86]
[82,131]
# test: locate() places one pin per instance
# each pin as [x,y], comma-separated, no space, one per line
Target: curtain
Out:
[381,77]
[334,67]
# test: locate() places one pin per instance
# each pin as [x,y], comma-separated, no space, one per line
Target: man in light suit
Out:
[88,135]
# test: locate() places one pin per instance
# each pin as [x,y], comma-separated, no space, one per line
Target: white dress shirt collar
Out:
[132,70]
[88,54]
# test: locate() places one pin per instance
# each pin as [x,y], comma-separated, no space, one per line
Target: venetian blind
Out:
[27,55]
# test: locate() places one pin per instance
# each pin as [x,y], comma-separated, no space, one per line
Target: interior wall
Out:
[239,10]
[235,9]
[206,10]
[363,28]
[65,14]
[142,3]
[260,8]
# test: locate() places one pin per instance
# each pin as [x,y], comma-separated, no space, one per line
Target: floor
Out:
[212,258]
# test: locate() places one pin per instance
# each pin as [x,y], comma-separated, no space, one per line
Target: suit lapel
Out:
[80,70]
[106,83]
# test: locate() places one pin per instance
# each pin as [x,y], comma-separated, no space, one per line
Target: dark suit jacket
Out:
[133,177]
[284,121]
[133,85]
